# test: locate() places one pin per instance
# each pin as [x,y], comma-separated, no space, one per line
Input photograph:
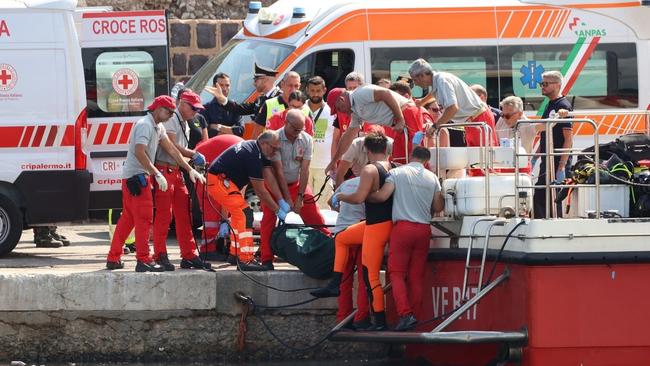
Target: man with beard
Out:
[321,115]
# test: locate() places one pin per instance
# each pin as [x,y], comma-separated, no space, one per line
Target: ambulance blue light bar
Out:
[299,12]
[254,7]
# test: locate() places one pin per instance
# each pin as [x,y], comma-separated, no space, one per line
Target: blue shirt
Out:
[215,113]
[241,163]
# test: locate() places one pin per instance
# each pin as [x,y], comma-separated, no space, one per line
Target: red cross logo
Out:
[8,77]
[125,81]
[5,77]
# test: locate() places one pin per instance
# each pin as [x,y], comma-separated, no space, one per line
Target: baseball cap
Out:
[193,99]
[332,97]
[162,101]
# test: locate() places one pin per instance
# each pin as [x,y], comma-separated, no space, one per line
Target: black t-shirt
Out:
[196,125]
[216,113]
[241,162]
[558,135]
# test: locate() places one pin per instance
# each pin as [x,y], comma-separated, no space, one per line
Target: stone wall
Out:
[193,42]
[184,9]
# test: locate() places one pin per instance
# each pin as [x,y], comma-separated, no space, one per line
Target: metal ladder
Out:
[494,221]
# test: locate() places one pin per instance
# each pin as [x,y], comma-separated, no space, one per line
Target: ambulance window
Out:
[332,65]
[474,65]
[608,79]
[123,81]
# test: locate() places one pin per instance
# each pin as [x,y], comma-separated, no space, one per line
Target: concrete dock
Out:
[62,305]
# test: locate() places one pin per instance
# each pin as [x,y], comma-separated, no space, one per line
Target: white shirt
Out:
[526,133]
[323,135]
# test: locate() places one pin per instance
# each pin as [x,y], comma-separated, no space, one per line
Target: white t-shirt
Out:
[323,135]
[526,133]
[349,214]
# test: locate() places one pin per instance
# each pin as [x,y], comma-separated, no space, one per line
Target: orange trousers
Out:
[223,191]
[373,240]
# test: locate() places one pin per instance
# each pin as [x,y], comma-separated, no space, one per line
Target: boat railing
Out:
[550,154]
[485,159]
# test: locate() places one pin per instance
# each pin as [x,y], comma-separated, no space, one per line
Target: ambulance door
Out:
[125,59]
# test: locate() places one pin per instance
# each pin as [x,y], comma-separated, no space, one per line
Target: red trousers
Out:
[473,134]
[175,199]
[211,218]
[309,213]
[407,259]
[345,301]
[136,212]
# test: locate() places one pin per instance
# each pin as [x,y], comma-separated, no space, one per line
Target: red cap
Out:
[332,97]
[193,99]
[164,101]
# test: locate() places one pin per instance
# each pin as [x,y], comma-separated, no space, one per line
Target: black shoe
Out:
[380,322]
[58,237]
[126,250]
[232,259]
[196,263]
[130,247]
[405,323]
[362,325]
[268,266]
[46,242]
[252,266]
[114,265]
[163,261]
[332,289]
[214,257]
[148,267]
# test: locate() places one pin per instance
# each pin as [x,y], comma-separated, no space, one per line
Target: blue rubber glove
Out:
[282,214]
[284,206]
[335,200]
[198,159]
[417,138]
[224,230]
[560,175]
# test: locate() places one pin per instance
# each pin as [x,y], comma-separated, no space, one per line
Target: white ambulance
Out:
[601,46]
[72,82]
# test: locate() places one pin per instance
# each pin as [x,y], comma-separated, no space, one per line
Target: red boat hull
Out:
[582,314]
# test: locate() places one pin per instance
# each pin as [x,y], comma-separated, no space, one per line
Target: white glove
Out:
[194,176]
[162,182]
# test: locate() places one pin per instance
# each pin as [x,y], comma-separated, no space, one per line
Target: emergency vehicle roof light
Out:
[645,2]
[254,7]
[299,12]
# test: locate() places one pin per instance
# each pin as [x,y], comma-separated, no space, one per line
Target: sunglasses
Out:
[547,83]
[193,107]
[437,110]
[507,116]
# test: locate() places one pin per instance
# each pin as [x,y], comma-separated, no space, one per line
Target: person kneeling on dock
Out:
[416,196]
[247,162]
